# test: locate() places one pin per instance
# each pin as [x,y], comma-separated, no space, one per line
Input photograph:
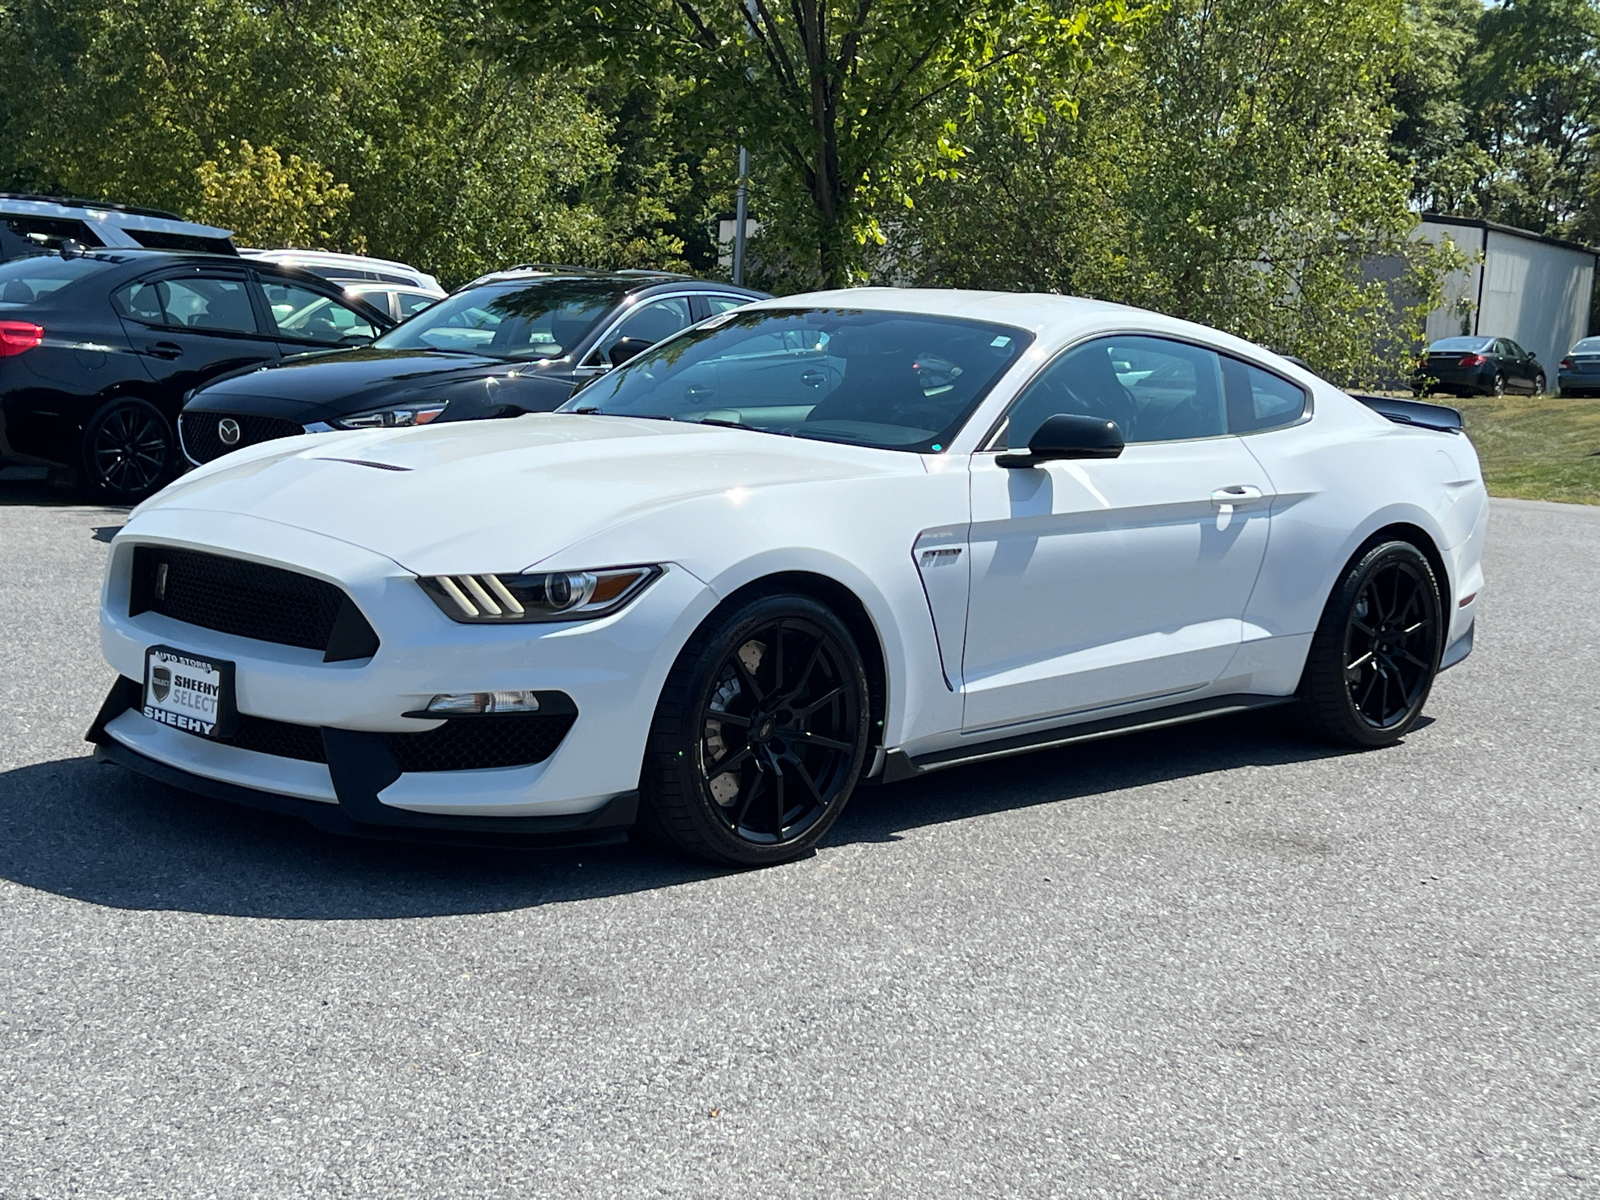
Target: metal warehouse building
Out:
[1532,289]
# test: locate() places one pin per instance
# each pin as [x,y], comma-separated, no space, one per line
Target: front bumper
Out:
[359,766]
[612,669]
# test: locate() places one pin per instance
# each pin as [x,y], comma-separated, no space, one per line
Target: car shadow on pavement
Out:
[102,835]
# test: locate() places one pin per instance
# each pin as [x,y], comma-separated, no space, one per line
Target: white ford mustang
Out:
[825,539]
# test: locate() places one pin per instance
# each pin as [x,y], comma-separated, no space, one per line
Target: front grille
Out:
[249,600]
[460,744]
[203,443]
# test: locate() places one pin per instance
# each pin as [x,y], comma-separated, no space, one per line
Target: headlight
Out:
[392,418]
[542,596]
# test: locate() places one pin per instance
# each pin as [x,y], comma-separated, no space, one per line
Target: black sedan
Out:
[513,342]
[99,347]
[1468,366]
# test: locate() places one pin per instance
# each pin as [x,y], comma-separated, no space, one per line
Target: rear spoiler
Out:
[1413,412]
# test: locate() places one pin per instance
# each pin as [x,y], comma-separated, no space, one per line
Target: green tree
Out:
[1500,110]
[1430,135]
[454,157]
[1532,89]
[1233,168]
[269,201]
[846,104]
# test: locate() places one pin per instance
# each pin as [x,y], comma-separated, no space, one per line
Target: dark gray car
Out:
[514,342]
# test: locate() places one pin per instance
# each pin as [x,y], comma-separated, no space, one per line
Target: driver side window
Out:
[1155,390]
[650,323]
[308,316]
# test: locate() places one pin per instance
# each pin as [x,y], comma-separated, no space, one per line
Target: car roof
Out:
[1052,318]
[328,262]
[628,279]
[97,212]
[144,259]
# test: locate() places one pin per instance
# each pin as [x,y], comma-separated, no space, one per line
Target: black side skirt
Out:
[900,765]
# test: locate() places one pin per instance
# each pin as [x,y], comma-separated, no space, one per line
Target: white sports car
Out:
[815,541]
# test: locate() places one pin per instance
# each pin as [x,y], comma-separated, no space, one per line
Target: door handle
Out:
[813,378]
[167,350]
[1240,493]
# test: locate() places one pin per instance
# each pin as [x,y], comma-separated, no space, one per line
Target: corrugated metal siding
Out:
[1530,291]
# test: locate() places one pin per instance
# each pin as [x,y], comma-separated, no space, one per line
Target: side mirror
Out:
[1067,435]
[356,339]
[627,348]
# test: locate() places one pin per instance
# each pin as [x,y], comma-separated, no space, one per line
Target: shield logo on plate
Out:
[228,431]
[161,681]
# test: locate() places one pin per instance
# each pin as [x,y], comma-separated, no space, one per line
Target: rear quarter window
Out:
[34,278]
[1258,399]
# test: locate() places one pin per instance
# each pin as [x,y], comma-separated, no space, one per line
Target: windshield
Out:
[1587,346]
[1461,343]
[545,319]
[897,381]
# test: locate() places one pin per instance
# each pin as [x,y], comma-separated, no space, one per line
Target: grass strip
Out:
[1536,447]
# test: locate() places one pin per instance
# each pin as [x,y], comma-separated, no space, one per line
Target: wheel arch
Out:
[843,602]
[1425,542]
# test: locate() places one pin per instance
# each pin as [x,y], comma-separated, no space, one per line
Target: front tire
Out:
[760,735]
[1376,651]
[128,451]
[1540,384]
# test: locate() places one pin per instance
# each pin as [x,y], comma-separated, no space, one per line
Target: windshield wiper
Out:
[737,425]
[596,411]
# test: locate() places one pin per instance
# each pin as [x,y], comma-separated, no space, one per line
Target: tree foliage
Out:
[846,104]
[1500,111]
[1232,168]
[271,201]
[408,126]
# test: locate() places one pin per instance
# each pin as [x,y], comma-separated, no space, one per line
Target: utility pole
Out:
[739,222]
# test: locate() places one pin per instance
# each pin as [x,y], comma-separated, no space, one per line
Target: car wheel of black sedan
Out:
[759,736]
[1376,651]
[1498,388]
[1539,384]
[128,450]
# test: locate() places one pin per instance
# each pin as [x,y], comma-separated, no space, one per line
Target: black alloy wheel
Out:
[127,450]
[1376,651]
[760,735]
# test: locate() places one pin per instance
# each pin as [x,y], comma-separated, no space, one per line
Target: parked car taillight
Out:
[1566,364]
[17,336]
[1472,360]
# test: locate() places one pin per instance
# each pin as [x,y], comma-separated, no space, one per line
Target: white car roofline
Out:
[114,218]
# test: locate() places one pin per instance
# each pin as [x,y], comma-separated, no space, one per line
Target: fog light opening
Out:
[458,704]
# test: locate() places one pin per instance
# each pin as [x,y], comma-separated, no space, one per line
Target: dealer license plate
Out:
[189,692]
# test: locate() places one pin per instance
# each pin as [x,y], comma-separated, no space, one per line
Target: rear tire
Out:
[1376,651]
[128,451]
[759,736]
[1498,387]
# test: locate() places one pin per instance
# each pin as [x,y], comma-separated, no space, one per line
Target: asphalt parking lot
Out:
[1221,961]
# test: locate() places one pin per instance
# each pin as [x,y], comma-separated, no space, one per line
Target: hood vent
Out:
[362,462]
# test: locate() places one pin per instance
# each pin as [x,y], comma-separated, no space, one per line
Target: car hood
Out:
[502,495]
[345,381]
